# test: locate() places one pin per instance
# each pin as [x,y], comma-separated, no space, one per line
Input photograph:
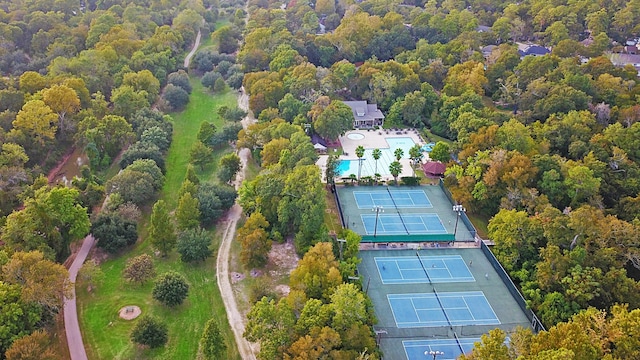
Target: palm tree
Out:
[376,153]
[395,168]
[359,154]
[399,153]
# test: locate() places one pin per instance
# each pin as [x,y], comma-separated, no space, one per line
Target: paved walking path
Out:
[71,326]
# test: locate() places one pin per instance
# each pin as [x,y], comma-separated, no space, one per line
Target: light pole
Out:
[341,242]
[378,209]
[459,209]
[434,353]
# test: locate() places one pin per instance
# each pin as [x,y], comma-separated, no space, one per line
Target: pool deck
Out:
[375,139]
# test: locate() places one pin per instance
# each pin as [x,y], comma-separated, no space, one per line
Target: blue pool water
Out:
[348,167]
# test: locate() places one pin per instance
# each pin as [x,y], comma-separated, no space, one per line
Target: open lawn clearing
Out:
[107,335]
[202,107]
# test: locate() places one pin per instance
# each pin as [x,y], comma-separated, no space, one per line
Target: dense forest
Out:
[544,146]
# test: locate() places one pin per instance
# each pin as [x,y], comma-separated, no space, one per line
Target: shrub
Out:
[150,332]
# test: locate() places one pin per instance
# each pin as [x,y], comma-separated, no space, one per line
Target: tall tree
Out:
[255,241]
[36,346]
[395,168]
[188,212]
[37,121]
[194,245]
[376,153]
[334,120]
[317,273]
[62,100]
[161,230]
[212,342]
[41,281]
[359,154]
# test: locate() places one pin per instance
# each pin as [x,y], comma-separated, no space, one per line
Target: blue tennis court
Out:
[458,309]
[451,349]
[392,224]
[392,199]
[411,269]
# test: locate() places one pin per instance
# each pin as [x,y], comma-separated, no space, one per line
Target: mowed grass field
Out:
[106,336]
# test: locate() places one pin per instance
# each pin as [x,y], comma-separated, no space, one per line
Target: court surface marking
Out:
[409,270]
[398,198]
[416,349]
[458,309]
[394,224]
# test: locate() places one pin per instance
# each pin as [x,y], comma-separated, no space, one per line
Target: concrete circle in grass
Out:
[130,312]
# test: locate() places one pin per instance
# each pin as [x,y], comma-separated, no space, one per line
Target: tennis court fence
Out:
[463,216]
[535,322]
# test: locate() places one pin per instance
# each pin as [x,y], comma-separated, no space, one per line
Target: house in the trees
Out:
[365,115]
[622,60]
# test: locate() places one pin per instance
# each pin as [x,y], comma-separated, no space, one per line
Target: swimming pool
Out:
[369,168]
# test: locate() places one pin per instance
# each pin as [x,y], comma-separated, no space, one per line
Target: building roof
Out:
[434,168]
[363,111]
[319,146]
[625,59]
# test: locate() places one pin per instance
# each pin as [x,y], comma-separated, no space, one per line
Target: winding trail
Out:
[187,59]
[71,326]
[247,349]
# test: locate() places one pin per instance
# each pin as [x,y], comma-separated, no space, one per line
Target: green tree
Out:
[49,221]
[150,332]
[176,97]
[581,183]
[398,153]
[62,100]
[193,245]
[37,121]
[334,120]
[171,288]
[200,155]
[440,152]
[395,168]
[415,154]
[134,186]
[331,171]
[113,232]
[139,269]
[359,154]
[272,325]
[212,342]
[126,100]
[18,317]
[228,167]
[188,212]
[376,153]
[161,229]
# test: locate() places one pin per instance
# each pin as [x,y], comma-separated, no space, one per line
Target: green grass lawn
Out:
[202,107]
[106,336]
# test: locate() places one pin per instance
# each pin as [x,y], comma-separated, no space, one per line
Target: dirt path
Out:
[71,326]
[187,59]
[236,319]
